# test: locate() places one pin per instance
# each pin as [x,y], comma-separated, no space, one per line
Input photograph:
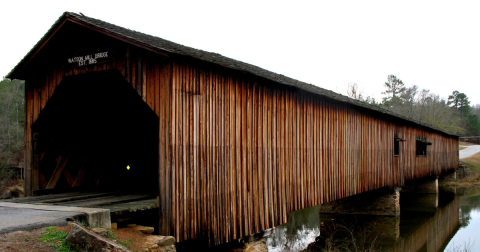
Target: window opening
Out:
[422,144]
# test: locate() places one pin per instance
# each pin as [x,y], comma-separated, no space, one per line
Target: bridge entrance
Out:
[96,131]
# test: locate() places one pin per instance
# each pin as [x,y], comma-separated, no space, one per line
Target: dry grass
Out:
[466,143]
[472,172]
[24,241]
[14,185]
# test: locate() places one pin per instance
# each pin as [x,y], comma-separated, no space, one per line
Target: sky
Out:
[432,44]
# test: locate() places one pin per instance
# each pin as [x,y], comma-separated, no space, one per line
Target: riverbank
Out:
[52,239]
[471,172]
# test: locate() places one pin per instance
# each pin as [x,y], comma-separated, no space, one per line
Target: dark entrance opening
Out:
[96,131]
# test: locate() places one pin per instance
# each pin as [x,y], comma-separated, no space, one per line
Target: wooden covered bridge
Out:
[230,148]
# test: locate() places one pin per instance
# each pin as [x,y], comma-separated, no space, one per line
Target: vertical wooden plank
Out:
[274,156]
[210,148]
[233,158]
[260,150]
[270,156]
[265,154]
[239,156]
[254,156]
[150,85]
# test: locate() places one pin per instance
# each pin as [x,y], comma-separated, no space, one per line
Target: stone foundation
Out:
[377,202]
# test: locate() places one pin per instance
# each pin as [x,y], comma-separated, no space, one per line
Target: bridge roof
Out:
[169,48]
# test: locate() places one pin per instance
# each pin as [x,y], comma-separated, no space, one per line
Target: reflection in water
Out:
[469,220]
[300,230]
[420,226]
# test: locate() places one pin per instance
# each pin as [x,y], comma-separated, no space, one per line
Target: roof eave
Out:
[15,73]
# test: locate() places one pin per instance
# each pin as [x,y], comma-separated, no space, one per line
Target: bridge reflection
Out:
[426,223]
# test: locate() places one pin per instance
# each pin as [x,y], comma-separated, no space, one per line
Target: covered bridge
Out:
[230,148]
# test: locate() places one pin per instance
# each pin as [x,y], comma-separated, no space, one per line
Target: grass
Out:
[56,240]
[472,162]
[114,238]
[126,243]
[466,143]
[462,148]
[473,172]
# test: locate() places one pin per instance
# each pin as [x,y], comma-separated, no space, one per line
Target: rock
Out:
[157,243]
[145,230]
[85,240]
[100,231]
[7,195]
[113,226]
[16,192]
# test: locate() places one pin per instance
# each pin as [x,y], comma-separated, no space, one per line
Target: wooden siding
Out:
[246,152]
[239,153]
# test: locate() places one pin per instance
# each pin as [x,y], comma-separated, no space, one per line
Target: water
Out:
[468,234]
[448,221]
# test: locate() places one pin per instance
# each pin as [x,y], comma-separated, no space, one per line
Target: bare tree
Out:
[11,119]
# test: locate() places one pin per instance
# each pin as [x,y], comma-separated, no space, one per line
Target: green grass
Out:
[57,240]
[113,237]
[126,243]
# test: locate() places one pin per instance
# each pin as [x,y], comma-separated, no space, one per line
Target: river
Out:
[448,221]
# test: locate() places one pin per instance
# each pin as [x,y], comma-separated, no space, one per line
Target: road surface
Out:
[14,219]
[470,150]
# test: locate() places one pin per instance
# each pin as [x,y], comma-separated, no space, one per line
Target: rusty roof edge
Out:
[234,64]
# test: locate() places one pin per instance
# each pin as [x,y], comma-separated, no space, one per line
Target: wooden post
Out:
[35,163]
[139,72]
[128,65]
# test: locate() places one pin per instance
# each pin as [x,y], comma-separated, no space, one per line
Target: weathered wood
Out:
[81,174]
[58,172]
[238,153]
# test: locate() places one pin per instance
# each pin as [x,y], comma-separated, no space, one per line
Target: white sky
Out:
[433,44]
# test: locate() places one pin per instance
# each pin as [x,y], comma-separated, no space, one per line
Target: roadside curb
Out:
[96,217]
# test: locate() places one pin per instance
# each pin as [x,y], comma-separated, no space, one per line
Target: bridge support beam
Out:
[383,201]
[420,195]
[427,184]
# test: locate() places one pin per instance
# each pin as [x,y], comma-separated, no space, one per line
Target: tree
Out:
[11,119]
[463,104]
[395,88]
[453,99]
[408,101]
[353,91]
[475,109]
[459,101]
